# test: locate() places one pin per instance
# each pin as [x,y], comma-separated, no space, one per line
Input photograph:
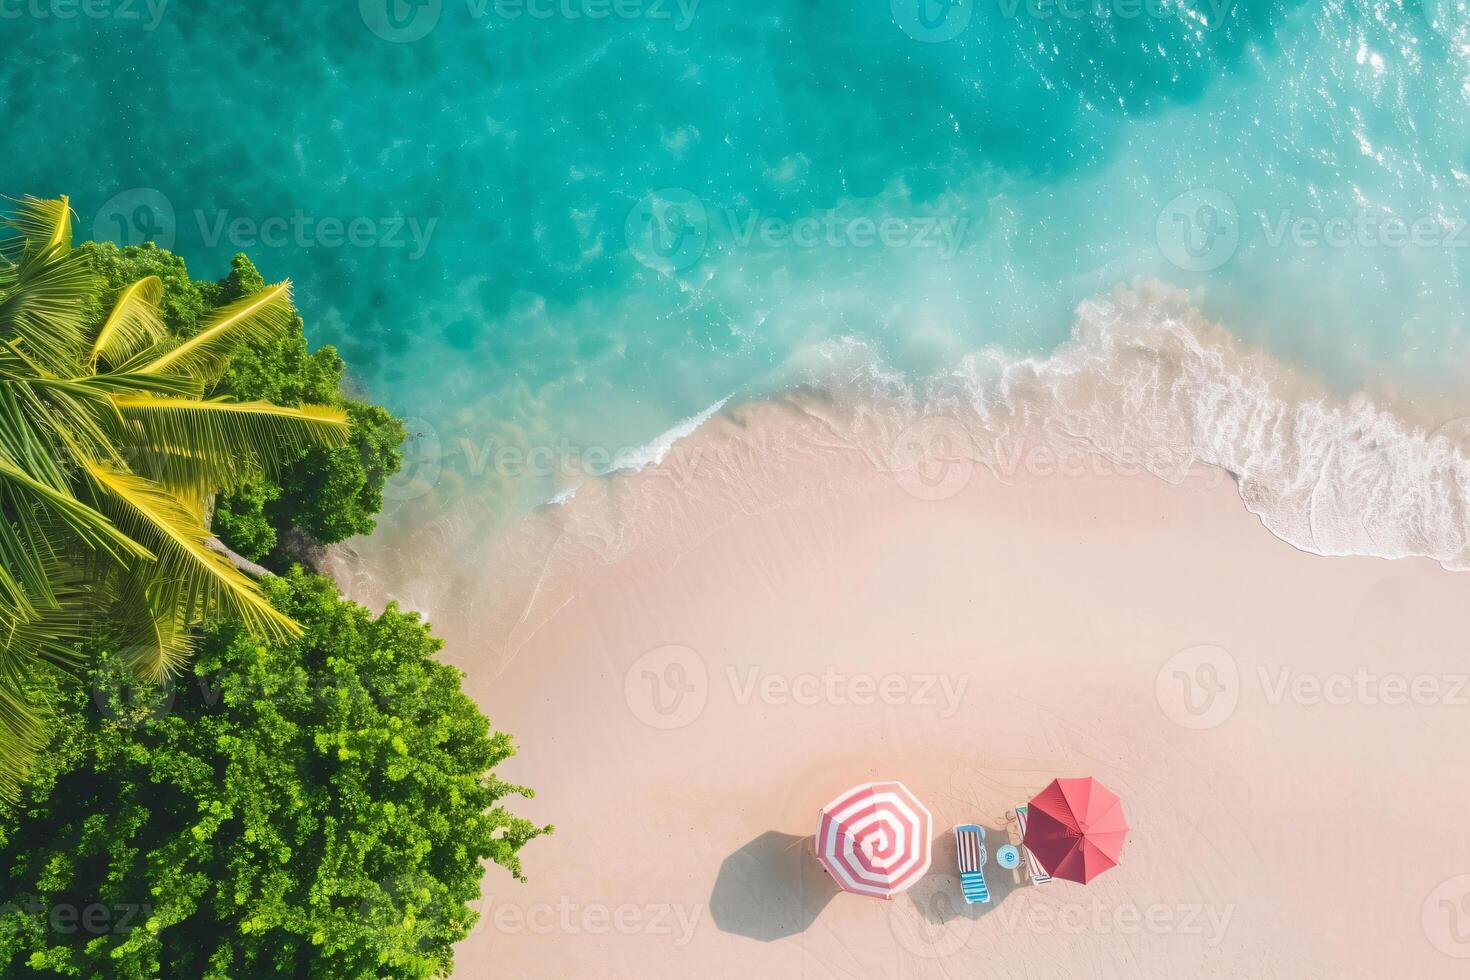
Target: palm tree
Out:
[110,450]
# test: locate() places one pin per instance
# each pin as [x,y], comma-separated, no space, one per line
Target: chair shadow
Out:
[771,888]
[937,896]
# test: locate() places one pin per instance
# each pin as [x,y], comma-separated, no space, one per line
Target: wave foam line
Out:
[1144,372]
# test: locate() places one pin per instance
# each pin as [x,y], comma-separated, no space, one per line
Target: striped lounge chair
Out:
[1038,873]
[969,844]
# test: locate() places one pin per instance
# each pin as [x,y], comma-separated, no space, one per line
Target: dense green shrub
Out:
[315,808]
[331,494]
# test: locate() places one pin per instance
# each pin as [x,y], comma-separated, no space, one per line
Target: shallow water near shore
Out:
[558,237]
[973,351]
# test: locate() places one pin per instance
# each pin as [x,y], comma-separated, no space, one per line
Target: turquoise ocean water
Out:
[575,223]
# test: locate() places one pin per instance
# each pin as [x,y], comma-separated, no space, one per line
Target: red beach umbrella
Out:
[1075,828]
[875,839]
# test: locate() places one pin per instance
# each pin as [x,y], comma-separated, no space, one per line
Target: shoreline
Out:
[1145,385]
[1023,630]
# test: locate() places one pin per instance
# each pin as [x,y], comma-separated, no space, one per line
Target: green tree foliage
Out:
[318,807]
[331,493]
[109,451]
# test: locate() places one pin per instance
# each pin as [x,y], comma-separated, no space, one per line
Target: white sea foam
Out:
[1146,380]
[1331,475]
[655,450]
[648,454]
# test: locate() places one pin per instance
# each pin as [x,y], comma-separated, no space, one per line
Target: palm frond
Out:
[28,442]
[207,582]
[44,224]
[104,472]
[261,315]
[30,649]
[218,445]
[122,382]
[73,418]
[30,557]
[42,314]
[133,326]
[91,527]
[24,731]
[153,635]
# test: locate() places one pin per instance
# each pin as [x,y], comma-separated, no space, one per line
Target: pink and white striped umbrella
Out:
[875,839]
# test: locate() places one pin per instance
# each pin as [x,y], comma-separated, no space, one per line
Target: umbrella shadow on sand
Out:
[771,888]
[774,887]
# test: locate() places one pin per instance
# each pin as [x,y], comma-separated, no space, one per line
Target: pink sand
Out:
[973,646]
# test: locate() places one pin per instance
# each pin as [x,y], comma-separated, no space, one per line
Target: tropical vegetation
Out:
[110,450]
[207,770]
[324,495]
[316,807]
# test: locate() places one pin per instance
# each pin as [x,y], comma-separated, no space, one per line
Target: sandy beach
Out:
[696,657]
